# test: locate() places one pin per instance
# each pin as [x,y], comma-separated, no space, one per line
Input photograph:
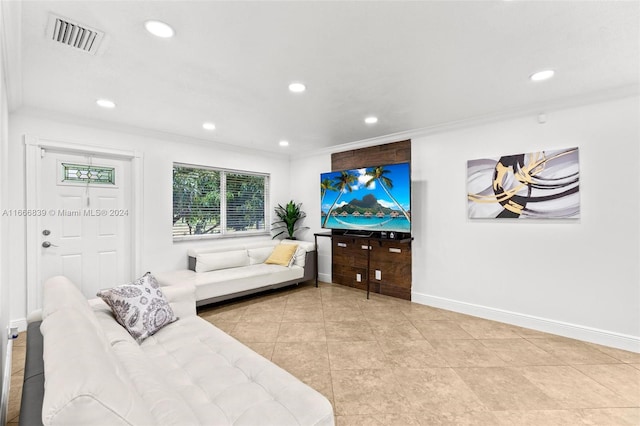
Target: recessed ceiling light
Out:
[297,87]
[371,120]
[159,29]
[542,75]
[208,126]
[284,143]
[106,103]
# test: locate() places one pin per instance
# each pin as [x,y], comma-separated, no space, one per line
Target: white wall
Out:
[576,278]
[305,181]
[159,252]
[4,282]
[582,276]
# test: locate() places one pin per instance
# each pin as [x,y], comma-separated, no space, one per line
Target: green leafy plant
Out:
[288,217]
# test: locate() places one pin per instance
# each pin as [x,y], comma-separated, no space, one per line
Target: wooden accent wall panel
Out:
[348,257]
[391,153]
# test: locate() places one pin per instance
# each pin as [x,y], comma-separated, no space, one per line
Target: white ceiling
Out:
[413,64]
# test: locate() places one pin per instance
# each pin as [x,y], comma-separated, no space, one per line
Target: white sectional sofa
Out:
[226,271]
[187,373]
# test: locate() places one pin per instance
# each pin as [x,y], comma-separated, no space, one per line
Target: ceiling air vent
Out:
[73,34]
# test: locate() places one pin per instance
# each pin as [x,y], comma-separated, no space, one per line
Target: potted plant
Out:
[288,217]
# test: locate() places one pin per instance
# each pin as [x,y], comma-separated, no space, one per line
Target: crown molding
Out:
[11,44]
[534,109]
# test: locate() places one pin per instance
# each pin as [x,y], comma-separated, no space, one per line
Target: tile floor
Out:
[386,361]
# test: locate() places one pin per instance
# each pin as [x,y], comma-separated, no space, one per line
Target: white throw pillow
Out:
[140,307]
[222,260]
[260,254]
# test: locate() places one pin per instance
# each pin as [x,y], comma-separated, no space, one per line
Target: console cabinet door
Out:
[349,260]
[391,258]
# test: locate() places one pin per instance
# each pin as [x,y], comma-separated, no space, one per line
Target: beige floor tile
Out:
[272,300]
[520,352]
[340,303]
[622,379]
[395,331]
[382,302]
[348,331]
[295,313]
[485,329]
[367,392]
[305,294]
[258,313]
[538,418]
[262,348]
[434,330]
[619,354]
[412,354]
[378,420]
[571,388]
[528,332]
[572,351]
[301,357]
[302,332]
[21,340]
[15,396]
[505,388]
[387,314]
[416,312]
[18,355]
[256,331]
[611,416]
[469,418]
[343,314]
[356,355]
[437,390]
[467,353]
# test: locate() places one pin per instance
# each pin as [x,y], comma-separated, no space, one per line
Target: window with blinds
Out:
[209,202]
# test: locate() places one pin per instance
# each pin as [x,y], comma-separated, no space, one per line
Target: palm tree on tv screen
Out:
[341,183]
[326,185]
[378,174]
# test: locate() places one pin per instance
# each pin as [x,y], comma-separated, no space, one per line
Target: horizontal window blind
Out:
[214,202]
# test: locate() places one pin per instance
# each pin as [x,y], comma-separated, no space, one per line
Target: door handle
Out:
[47,244]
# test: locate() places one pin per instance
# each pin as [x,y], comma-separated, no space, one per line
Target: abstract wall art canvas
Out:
[537,185]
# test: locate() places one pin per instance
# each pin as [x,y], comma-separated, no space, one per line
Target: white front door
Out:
[85,219]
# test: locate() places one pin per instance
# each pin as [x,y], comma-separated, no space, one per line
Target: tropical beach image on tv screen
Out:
[370,199]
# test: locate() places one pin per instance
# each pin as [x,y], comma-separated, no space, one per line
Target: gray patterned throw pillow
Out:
[140,307]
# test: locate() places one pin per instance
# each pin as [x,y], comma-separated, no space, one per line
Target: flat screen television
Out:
[370,199]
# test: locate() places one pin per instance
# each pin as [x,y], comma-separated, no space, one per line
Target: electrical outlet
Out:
[358,277]
[378,274]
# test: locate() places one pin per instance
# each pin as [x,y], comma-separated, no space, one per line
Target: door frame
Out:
[34,146]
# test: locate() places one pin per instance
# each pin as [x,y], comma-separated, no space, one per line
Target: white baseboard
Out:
[574,331]
[325,278]
[21,323]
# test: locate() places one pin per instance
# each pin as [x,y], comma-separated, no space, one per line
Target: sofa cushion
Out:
[85,383]
[140,307]
[259,255]
[213,261]
[224,382]
[282,255]
[60,295]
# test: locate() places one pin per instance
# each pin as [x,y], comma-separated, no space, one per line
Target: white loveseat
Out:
[188,373]
[227,271]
